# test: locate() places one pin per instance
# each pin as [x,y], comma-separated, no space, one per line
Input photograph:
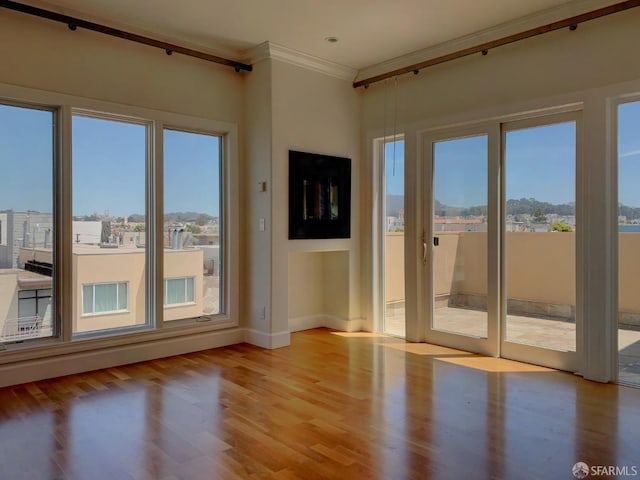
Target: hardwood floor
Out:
[330,406]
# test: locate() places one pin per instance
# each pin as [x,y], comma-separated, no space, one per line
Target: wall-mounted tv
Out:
[319,196]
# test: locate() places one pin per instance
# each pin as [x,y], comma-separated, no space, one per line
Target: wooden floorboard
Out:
[330,406]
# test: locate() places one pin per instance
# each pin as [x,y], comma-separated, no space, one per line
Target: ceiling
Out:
[369,31]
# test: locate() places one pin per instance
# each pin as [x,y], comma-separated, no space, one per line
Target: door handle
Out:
[424,252]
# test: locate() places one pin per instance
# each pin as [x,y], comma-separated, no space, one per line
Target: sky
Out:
[26,159]
[629,154]
[109,165]
[540,164]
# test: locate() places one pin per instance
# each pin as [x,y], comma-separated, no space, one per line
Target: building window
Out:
[104,298]
[178,291]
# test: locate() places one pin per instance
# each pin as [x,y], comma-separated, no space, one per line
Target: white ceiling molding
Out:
[534,20]
[284,54]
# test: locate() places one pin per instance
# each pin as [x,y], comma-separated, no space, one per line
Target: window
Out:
[178,291]
[393,237]
[86,212]
[193,233]
[104,298]
[109,220]
[34,303]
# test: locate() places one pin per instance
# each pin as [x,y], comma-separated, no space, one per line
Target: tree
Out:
[138,228]
[561,227]
[194,229]
[539,216]
[202,220]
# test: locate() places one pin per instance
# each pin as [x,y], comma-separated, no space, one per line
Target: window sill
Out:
[53,347]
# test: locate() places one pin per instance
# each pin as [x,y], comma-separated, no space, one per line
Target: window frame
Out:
[22,101]
[225,295]
[63,341]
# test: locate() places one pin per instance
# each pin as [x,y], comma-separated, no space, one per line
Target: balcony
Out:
[540,281]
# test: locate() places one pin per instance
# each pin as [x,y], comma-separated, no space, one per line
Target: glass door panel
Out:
[628,243]
[540,235]
[459,243]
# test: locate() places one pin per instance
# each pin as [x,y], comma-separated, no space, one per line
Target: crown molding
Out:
[534,20]
[273,51]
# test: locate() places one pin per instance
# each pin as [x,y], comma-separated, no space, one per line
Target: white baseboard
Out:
[329,321]
[57,366]
[71,363]
[267,340]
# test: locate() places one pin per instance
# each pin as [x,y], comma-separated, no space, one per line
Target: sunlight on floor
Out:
[360,334]
[425,349]
[494,365]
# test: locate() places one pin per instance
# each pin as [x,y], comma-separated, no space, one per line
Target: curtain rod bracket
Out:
[168,51]
[73,27]
[485,52]
[573,27]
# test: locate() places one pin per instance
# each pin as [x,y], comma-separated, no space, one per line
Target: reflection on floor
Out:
[546,332]
[330,406]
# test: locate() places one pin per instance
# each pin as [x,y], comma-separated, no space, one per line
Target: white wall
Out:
[256,260]
[46,55]
[317,113]
[598,53]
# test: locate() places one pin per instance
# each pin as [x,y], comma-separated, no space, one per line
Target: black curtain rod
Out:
[73,23]
[571,23]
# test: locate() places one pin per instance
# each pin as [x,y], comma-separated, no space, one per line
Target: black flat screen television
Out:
[319,196]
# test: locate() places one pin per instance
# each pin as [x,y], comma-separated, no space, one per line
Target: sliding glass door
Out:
[539,241]
[499,239]
[460,223]
[628,318]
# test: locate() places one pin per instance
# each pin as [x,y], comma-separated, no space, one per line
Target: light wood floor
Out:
[330,406]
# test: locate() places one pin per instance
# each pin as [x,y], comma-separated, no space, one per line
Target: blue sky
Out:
[109,165]
[629,154]
[109,169]
[26,159]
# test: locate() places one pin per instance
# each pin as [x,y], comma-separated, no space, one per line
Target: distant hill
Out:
[395,203]
[177,217]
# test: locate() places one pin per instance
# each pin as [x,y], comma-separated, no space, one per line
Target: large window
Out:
[100,298]
[26,222]
[117,222]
